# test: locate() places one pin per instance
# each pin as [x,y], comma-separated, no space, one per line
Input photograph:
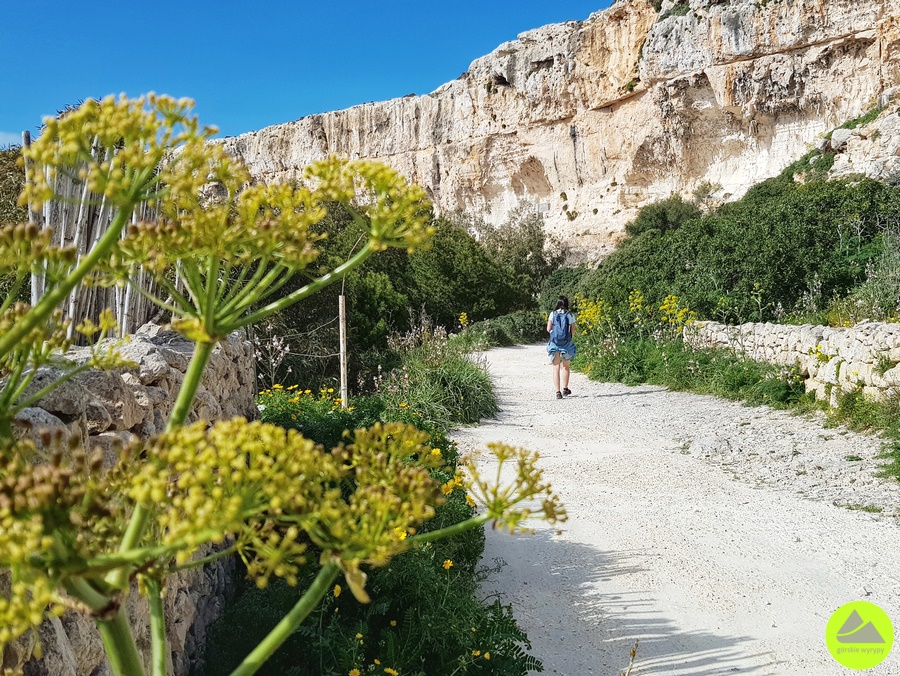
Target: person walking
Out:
[561,348]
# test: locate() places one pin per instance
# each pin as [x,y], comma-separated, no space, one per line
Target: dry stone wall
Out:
[865,357]
[106,409]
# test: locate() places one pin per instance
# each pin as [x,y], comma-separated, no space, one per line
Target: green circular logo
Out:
[859,635]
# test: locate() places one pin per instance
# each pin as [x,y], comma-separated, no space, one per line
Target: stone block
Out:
[110,444]
[29,423]
[116,397]
[875,394]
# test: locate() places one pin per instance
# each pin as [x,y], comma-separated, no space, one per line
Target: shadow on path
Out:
[580,621]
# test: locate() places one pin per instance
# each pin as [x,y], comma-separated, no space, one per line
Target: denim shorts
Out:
[567,351]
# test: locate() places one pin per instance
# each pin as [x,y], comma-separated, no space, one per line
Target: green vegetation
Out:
[12,180]
[645,345]
[871,509]
[680,8]
[561,282]
[517,328]
[81,539]
[635,360]
[426,615]
[470,267]
[863,119]
[785,249]
[663,216]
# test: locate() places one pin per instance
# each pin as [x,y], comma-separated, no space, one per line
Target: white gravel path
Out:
[702,527]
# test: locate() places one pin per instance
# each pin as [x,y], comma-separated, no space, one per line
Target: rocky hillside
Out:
[591,120]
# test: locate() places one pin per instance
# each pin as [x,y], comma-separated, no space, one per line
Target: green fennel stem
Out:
[119,645]
[157,629]
[290,622]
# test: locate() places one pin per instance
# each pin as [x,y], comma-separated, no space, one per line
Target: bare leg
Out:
[566,371]
[556,360]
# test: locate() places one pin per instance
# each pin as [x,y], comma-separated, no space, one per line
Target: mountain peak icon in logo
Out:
[856,630]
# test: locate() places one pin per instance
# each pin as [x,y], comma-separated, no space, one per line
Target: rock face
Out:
[108,409]
[592,120]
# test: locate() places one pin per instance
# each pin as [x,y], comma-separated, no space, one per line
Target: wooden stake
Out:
[36,290]
[342,323]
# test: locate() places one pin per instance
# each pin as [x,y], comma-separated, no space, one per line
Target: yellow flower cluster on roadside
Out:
[636,302]
[458,481]
[673,314]
[591,313]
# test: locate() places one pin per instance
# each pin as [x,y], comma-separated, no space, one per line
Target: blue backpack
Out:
[559,331]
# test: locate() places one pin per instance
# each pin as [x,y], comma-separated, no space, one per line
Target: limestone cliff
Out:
[591,120]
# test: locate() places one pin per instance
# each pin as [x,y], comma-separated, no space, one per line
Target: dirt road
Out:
[688,530]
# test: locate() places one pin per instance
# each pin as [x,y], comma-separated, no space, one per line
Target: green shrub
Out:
[521,246]
[426,616]
[635,361]
[380,296]
[561,282]
[877,298]
[492,334]
[753,260]
[317,416]
[424,619]
[517,328]
[458,389]
[664,216]
[458,275]
[863,119]
[814,166]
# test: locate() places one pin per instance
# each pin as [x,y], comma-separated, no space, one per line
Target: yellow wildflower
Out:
[476,653]
[448,564]
[391,672]
[337,590]
[359,636]
[353,672]
[487,656]
[393,623]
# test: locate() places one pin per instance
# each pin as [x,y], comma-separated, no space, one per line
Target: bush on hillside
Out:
[561,282]
[663,216]
[755,258]
[521,246]
[517,328]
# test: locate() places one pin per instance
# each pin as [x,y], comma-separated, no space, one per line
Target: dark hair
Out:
[562,303]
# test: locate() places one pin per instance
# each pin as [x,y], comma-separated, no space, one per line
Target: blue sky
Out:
[248,65]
